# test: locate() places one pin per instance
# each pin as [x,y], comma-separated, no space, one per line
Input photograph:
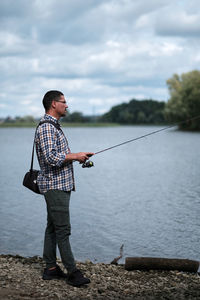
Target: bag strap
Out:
[42,122]
[57,125]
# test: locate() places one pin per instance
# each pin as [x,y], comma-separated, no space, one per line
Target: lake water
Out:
[145,195]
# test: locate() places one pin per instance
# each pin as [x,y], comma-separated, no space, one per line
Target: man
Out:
[56,181]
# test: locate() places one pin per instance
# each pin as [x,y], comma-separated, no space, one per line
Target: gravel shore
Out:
[20,278]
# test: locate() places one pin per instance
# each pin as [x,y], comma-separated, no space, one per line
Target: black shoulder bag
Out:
[30,178]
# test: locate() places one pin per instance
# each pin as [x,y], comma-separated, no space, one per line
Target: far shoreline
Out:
[32,125]
[99,125]
[78,124]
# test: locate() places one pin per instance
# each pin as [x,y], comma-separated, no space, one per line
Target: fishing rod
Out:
[89,163]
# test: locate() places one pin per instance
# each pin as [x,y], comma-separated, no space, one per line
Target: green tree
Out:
[136,112]
[76,117]
[184,102]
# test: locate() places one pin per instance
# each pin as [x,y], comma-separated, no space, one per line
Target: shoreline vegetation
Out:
[20,278]
[142,113]
[89,124]
[70,124]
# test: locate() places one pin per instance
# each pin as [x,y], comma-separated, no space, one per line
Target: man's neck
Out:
[53,114]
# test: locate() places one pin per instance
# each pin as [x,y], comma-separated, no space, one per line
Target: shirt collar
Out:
[49,117]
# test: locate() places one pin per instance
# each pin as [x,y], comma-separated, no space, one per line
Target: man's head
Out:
[55,104]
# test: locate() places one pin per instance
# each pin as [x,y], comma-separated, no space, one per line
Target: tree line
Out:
[183,104]
[136,112]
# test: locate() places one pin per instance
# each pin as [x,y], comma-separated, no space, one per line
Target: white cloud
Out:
[26,102]
[143,22]
[96,101]
[182,23]
[166,49]
[197,58]
[35,110]
[3,105]
[11,44]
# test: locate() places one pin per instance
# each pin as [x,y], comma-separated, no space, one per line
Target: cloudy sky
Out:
[99,53]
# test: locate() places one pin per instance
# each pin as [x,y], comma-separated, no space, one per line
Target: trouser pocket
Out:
[58,209]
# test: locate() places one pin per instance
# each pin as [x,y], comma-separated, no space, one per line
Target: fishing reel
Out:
[88,164]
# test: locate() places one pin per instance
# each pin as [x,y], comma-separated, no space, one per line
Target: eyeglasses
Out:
[61,101]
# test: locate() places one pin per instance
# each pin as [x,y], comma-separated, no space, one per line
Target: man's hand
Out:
[83,156]
[80,156]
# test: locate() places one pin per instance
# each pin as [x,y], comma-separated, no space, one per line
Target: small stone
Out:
[87,261]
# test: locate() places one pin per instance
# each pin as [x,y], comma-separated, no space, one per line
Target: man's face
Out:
[61,106]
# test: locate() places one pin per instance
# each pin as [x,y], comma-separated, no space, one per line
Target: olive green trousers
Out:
[58,230]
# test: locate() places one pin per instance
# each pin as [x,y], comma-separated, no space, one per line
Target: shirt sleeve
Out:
[47,140]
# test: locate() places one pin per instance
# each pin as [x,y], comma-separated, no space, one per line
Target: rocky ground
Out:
[20,278]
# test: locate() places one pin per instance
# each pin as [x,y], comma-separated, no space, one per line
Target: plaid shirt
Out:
[52,147]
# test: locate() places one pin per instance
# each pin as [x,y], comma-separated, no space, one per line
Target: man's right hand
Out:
[83,156]
[80,156]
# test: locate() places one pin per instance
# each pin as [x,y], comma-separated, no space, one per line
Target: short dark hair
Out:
[49,97]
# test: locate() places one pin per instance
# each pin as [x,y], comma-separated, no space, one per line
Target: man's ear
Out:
[53,104]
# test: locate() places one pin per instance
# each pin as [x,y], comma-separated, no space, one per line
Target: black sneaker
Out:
[56,273]
[77,279]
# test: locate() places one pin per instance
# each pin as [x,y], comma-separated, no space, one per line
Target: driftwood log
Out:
[153,263]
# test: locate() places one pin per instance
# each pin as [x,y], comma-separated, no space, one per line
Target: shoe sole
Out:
[77,285]
[52,277]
